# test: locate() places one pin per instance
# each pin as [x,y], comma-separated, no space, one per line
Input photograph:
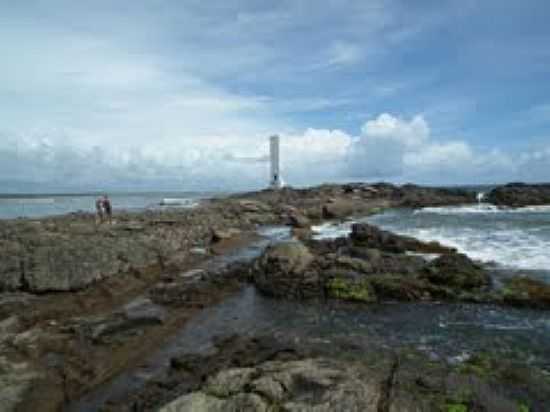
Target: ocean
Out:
[42,205]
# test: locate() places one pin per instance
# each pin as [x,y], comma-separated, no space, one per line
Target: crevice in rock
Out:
[386,387]
[25,287]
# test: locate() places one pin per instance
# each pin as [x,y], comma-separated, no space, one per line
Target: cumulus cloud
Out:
[392,147]
[384,143]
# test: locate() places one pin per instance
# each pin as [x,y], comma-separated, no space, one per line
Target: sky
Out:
[183,95]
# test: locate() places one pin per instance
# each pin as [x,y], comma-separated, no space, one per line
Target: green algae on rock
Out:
[344,289]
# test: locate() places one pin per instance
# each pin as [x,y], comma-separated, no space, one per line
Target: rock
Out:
[520,194]
[314,213]
[199,402]
[219,235]
[269,388]
[457,271]
[299,221]
[282,271]
[11,266]
[229,382]
[337,209]
[304,385]
[14,303]
[365,235]
[358,265]
[302,234]
[523,291]
[137,315]
[16,378]
[9,326]
[416,196]
[254,206]
[288,257]
[143,311]
[406,288]
[346,289]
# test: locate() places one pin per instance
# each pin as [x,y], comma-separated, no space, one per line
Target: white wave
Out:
[426,256]
[275,232]
[481,208]
[461,210]
[331,230]
[30,201]
[531,209]
[185,202]
[511,248]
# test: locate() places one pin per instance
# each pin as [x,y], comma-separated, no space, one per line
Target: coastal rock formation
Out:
[70,253]
[368,266]
[520,194]
[370,236]
[457,271]
[522,291]
[284,271]
[266,374]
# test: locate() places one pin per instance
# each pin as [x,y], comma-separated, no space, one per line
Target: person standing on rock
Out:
[99,210]
[108,209]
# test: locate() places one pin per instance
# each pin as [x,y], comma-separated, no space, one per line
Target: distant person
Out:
[99,208]
[108,209]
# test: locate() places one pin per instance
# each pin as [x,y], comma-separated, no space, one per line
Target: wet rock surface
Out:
[266,374]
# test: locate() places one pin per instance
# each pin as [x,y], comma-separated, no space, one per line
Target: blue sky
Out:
[183,94]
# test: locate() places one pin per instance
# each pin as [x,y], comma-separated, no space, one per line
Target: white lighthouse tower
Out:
[275,179]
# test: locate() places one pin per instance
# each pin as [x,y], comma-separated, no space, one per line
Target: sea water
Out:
[41,205]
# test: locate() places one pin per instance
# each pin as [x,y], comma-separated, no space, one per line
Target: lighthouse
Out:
[275,179]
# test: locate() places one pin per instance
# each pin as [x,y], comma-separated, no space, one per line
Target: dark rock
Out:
[523,291]
[337,209]
[365,235]
[144,311]
[298,220]
[283,271]
[456,270]
[520,194]
[219,235]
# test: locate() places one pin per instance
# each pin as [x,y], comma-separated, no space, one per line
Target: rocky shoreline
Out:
[79,303]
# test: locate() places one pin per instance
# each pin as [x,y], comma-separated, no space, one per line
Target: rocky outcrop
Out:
[520,194]
[309,384]
[370,265]
[365,235]
[526,292]
[283,271]
[70,253]
[457,271]
[337,209]
[265,374]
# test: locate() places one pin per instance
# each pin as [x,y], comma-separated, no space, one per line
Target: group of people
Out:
[104,209]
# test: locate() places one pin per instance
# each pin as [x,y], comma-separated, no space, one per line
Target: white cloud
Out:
[344,54]
[388,127]
[391,147]
[439,155]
